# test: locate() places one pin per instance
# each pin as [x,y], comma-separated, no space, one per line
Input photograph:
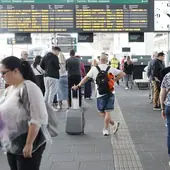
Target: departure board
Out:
[36,18]
[74,15]
[111,17]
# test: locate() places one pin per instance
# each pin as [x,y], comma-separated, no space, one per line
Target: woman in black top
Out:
[38,73]
[128,69]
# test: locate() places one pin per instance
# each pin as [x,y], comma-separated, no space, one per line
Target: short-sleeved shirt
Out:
[94,72]
[15,116]
[73,66]
[166,85]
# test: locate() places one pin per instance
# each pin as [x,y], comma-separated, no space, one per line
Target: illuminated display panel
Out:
[74,15]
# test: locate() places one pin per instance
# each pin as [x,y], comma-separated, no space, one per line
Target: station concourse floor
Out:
[140,143]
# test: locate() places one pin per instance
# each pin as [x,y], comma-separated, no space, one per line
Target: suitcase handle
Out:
[75,104]
[77,93]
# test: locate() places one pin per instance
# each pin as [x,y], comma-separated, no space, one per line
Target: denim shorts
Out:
[106,103]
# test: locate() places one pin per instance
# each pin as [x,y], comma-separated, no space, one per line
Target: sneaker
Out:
[126,88]
[105,132]
[116,127]
[169,163]
[156,108]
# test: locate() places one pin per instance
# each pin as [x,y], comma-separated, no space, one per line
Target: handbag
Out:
[52,121]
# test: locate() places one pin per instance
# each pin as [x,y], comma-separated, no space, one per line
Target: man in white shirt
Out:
[105,102]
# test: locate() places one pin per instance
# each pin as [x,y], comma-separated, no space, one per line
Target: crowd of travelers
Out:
[52,79]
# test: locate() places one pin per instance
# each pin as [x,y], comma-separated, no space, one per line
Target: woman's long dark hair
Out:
[24,67]
[37,61]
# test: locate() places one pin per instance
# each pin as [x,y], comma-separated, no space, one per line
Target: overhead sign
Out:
[85,37]
[67,49]
[75,15]
[23,38]
[126,49]
[10,41]
[136,37]
[66,40]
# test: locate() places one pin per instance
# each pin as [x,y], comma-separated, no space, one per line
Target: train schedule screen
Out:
[74,15]
[112,17]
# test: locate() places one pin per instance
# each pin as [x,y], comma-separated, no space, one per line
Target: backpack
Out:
[104,81]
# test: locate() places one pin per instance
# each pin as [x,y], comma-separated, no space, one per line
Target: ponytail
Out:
[27,71]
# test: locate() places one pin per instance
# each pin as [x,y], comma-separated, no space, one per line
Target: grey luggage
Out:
[75,121]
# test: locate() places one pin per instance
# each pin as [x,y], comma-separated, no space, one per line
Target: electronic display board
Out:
[74,15]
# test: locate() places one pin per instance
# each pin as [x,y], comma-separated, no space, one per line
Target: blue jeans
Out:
[51,87]
[106,103]
[128,79]
[167,113]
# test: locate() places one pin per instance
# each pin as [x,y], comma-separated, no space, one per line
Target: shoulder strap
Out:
[38,70]
[24,99]
[98,68]
[107,68]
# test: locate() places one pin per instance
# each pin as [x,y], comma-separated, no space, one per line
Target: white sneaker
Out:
[105,132]
[126,88]
[115,127]
[169,163]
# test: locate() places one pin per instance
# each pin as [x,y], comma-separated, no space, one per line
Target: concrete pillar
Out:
[167,57]
[149,43]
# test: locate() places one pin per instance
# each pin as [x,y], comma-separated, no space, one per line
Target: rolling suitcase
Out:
[75,121]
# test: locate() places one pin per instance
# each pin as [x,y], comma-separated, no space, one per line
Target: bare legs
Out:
[107,119]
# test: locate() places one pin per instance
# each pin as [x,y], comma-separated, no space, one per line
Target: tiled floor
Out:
[140,143]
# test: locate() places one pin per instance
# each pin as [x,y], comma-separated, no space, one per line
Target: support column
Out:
[167,57]
[149,43]
[55,39]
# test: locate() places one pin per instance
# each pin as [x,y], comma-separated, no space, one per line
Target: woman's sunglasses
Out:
[4,72]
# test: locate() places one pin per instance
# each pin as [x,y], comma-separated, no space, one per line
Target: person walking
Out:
[156,79]
[62,92]
[105,96]
[50,64]
[165,106]
[23,116]
[74,74]
[149,75]
[128,69]
[115,64]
